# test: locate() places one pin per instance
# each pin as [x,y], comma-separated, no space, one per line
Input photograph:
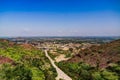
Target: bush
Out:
[109,75]
[19,72]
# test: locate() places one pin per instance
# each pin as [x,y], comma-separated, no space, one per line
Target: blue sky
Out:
[59,18]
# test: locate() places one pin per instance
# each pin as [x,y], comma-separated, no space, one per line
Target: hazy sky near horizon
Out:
[59,18]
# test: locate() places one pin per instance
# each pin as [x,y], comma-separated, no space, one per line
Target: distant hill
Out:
[99,56]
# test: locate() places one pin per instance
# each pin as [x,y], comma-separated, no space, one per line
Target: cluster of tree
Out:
[96,63]
[29,64]
[83,71]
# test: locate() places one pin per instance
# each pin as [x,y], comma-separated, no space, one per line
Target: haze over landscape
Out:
[59,40]
[59,18]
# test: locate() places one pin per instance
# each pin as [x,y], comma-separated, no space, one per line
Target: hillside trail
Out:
[61,74]
[61,58]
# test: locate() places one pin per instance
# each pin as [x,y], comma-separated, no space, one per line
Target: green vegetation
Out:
[53,56]
[96,63]
[83,71]
[68,55]
[24,64]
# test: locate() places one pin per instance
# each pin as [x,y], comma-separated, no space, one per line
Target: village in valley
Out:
[62,48]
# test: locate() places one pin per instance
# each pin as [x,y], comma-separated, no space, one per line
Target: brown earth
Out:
[27,46]
[100,56]
[6,60]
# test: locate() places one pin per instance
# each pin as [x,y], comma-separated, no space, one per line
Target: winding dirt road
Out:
[61,74]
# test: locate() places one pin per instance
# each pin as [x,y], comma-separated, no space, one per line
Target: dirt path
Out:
[61,74]
[61,58]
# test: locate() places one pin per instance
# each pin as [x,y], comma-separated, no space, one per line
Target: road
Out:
[61,74]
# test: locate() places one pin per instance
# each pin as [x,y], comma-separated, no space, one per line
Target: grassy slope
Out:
[24,63]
